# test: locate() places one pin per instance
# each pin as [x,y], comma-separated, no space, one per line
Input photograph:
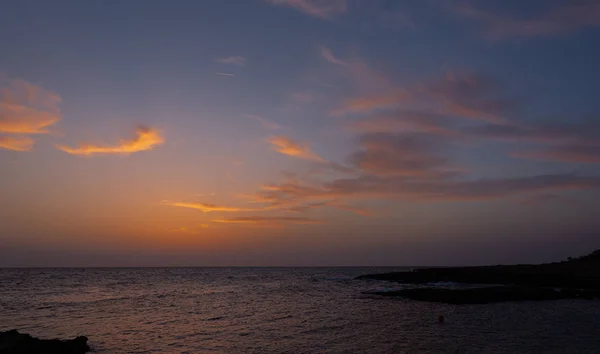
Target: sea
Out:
[276,310]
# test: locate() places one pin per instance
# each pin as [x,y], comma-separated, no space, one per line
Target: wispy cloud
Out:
[270,220]
[235,60]
[351,208]
[432,190]
[461,107]
[324,9]
[403,121]
[370,83]
[328,55]
[26,109]
[563,153]
[265,122]
[16,143]
[187,230]
[146,139]
[403,154]
[470,96]
[302,97]
[225,74]
[208,208]
[548,199]
[290,147]
[369,103]
[457,94]
[557,19]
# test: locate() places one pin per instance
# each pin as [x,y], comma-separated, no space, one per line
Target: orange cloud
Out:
[26,108]
[298,206]
[187,230]
[270,220]
[16,143]
[207,208]
[287,146]
[146,139]
[324,9]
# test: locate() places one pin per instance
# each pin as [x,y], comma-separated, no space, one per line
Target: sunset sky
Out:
[298,132]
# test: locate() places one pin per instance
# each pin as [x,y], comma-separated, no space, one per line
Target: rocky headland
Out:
[573,278]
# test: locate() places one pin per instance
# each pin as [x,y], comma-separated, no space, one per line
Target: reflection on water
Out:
[257,310]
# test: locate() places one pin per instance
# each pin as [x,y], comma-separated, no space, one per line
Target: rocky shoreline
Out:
[491,294]
[13,342]
[575,278]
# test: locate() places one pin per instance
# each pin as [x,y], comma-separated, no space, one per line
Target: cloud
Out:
[302,97]
[548,198]
[405,149]
[328,55]
[287,146]
[478,189]
[26,109]
[289,205]
[305,207]
[376,89]
[564,18]
[235,60]
[224,74]
[414,165]
[19,143]
[302,208]
[576,138]
[207,208]
[403,154]
[406,122]
[463,107]
[370,103]
[265,122]
[270,220]
[324,9]
[434,123]
[564,153]
[509,132]
[187,230]
[147,139]
[470,96]
[351,208]
[438,190]
[461,95]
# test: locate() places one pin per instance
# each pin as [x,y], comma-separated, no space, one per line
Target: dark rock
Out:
[490,294]
[578,273]
[576,278]
[13,342]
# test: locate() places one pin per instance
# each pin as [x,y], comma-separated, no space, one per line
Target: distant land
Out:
[574,278]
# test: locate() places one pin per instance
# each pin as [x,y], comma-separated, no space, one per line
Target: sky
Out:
[298,132]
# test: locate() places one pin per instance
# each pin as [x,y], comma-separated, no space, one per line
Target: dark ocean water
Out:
[275,310]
